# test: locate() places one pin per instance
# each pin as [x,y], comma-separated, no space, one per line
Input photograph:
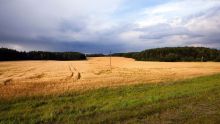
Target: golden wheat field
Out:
[28,78]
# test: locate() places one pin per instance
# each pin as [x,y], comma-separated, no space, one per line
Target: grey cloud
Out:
[208,25]
[84,47]
[77,26]
[73,25]
[200,29]
[206,13]
[52,24]
[161,31]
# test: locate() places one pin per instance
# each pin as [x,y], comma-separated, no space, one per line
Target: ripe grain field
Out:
[30,78]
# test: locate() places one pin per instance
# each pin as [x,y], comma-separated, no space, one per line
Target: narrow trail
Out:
[75,74]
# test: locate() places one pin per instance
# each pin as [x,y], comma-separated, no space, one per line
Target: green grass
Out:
[191,101]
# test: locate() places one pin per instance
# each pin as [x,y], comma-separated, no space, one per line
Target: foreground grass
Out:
[191,101]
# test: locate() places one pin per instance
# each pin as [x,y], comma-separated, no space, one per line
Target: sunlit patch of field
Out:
[28,78]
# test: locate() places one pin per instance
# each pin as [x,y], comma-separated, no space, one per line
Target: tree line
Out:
[174,54]
[167,54]
[10,54]
[95,55]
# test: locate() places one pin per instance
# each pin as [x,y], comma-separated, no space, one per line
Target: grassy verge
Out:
[191,101]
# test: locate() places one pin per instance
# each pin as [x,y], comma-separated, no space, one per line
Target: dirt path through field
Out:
[48,77]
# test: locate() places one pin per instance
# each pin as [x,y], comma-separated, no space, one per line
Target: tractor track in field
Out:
[55,77]
[75,74]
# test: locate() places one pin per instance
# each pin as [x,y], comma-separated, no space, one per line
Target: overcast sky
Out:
[97,26]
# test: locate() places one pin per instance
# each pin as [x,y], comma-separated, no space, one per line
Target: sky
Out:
[98,26]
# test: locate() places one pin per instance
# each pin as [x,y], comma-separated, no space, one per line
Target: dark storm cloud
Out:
[84,47]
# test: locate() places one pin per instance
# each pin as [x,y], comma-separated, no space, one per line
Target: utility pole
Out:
[110,59]
[202,59]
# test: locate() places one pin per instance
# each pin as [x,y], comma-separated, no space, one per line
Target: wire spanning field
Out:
[27,78]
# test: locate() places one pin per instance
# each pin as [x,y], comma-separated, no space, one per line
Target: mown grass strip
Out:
[117,104]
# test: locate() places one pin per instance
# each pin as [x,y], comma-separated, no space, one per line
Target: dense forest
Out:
[9,54]
[167,54]
[174,54]
[95,55]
